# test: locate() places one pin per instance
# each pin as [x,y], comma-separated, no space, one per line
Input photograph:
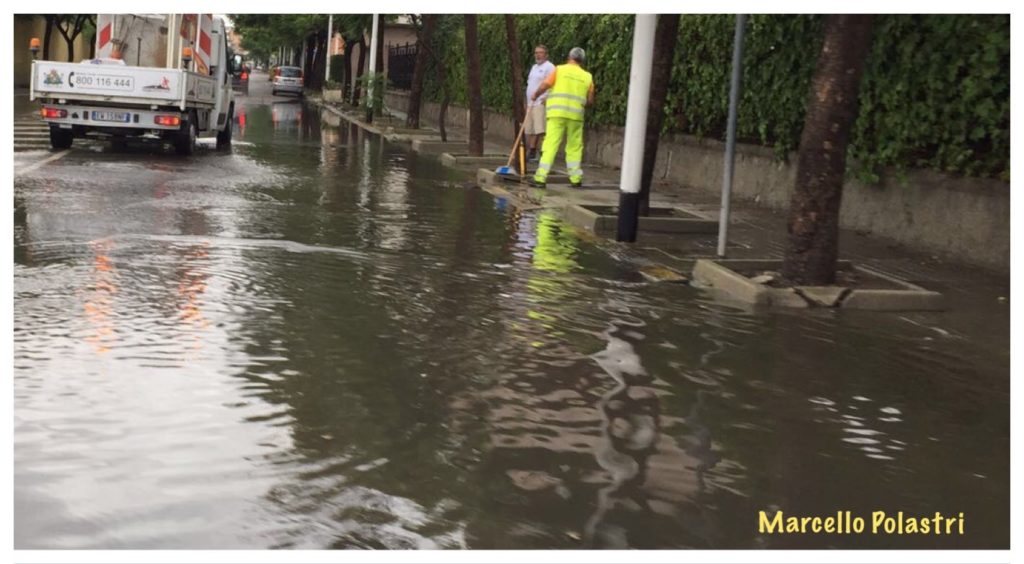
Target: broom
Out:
[507,169]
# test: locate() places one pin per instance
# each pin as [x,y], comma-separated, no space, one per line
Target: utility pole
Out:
[730,135]
[330,41]
[373,67]
[640,68]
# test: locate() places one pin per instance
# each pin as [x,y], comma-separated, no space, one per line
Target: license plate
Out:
[123,117]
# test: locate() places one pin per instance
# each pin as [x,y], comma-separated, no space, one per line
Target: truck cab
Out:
[165,78]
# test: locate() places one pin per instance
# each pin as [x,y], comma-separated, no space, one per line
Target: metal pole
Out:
[373,63]
[170,39]
[330,40]
[640,69]
[730,136]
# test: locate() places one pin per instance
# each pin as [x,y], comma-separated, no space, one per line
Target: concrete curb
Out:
[411,137]
[911,298]
[372,128]
[437,147]
[455,159]
[392,130]
[720,275]
[688,220]
[487,177]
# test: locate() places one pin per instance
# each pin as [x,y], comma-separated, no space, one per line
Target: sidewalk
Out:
[977,300]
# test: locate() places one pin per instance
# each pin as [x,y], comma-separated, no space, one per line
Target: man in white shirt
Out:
[536,118]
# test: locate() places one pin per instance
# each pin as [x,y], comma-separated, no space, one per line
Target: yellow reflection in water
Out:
[553,254]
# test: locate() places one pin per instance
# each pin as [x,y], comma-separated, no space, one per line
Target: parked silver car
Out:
[288,79]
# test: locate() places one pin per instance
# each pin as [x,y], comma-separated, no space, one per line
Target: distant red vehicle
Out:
[240,81]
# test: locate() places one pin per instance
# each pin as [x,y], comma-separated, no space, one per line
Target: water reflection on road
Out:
[322,340]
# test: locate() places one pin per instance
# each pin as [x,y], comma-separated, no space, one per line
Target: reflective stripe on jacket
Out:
[568,97]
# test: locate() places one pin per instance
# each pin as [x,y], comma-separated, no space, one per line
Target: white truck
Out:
[177,90]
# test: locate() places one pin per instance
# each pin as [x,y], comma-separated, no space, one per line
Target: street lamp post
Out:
[330,29]
[373,67]
[730,135]
[640,69]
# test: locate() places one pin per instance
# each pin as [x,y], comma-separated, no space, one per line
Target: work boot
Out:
[532,157]
[537,183]
[576,184]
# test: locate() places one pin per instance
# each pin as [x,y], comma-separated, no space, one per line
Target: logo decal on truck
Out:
[53,78]
[164,85]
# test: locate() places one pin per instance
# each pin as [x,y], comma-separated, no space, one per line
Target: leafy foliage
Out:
[935,93]
[263,34]
[379,90]
[337,67]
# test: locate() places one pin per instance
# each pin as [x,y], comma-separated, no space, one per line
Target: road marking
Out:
[38,164]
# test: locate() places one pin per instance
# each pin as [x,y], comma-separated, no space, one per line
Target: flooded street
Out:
[323,340]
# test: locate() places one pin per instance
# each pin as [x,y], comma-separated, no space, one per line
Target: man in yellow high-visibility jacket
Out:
[571,91]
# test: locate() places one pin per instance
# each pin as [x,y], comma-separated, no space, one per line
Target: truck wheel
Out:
[60,138]
[224,137]
[185,143]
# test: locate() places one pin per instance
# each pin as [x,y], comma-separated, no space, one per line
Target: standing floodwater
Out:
[321,340]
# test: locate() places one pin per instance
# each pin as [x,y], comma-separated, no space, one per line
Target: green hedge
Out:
[935,93]
[337,67]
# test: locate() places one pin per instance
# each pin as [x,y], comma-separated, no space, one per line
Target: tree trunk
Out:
[312,79]
[307,61]
[310,61]
[446,96]
[46,37]
[473,83]
[422,56]
[516,68]
[360,69]
[446,100]
[665,36]
[821,165]
[74,28]
[346,78]
[67,39]
[320,61]
[325,59]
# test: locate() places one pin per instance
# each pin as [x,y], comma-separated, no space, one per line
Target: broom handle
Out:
[522,128]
